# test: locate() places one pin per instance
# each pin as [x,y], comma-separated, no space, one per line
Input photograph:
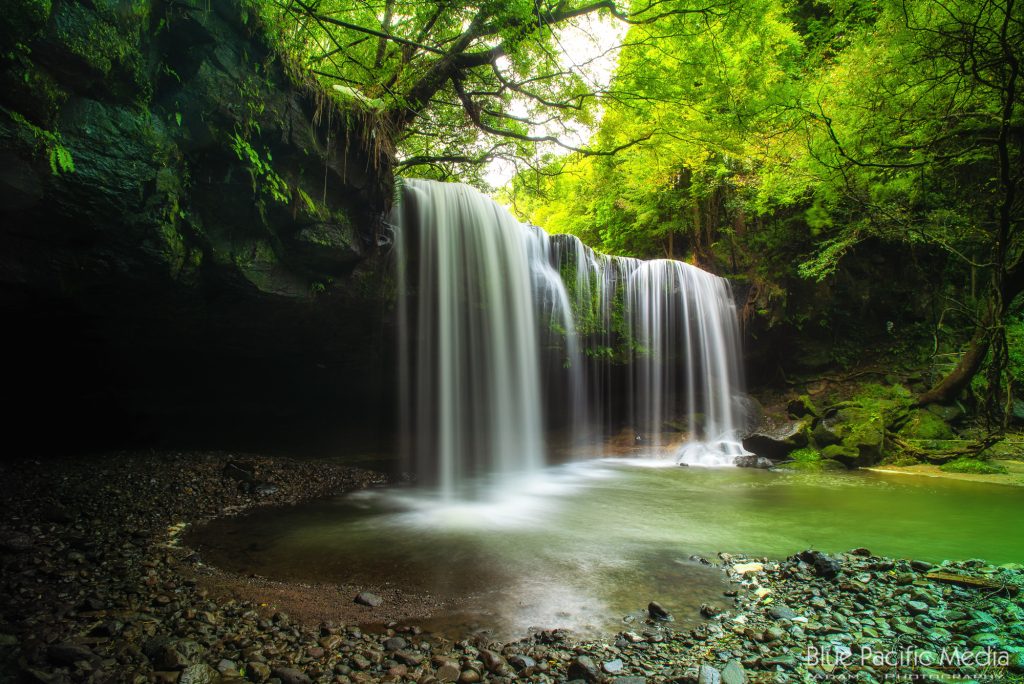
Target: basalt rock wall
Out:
[190,237]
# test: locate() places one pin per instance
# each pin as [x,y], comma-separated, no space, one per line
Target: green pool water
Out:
[584,545]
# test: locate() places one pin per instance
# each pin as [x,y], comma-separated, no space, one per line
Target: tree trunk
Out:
[970,363]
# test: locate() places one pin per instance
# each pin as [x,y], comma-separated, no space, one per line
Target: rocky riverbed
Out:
[96,586]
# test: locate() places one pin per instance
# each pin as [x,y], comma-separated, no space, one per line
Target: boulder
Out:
[923,424]
[776,441]
[859,434]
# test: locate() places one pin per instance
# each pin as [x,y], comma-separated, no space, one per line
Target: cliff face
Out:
[191,241]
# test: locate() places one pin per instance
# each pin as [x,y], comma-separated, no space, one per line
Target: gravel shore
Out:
[97,587]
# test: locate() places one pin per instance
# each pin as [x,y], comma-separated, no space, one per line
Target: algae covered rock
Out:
[853,435]
[926,425]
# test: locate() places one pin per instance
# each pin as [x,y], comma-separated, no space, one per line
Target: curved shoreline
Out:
[96,587]
[1013,478]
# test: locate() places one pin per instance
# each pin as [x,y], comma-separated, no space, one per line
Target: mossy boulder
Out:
[847,455]
[854,435]
[923,424]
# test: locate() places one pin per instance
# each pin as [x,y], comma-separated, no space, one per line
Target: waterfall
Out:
[506,333]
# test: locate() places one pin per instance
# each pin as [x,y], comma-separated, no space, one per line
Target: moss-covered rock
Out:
[850,456]
[926,425]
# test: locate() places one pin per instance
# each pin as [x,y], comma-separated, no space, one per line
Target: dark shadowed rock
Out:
[521,662]
[395,643]
[802,407]
[657,612]
[289,675]
[582,667]
[824,566]
[67,653]
[709,611]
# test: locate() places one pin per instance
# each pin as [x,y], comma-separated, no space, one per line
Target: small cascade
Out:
[507,333]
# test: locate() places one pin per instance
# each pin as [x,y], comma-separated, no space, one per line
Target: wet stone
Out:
[708,675]
[582,667]
[917,607]
[447,673]
[786,661]
[469,676]
[733,673]
[657,612]
[521,662]
[366,598]
[289,675]
[612,666]
[782,613]
[395,643]
[199,673]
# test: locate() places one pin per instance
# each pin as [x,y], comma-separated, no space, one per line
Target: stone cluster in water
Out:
[94,589]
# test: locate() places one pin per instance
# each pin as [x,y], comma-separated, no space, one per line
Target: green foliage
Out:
[1015,350]
[973,466]
[51,143]
[808,454]
[265,181]
[449,84]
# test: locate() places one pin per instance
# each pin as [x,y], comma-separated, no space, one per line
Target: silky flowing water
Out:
[506,332]
[585,544]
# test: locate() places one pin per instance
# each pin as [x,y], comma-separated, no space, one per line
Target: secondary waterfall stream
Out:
[507,332]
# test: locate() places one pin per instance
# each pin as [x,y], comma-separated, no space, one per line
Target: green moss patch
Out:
[805,455]
[927,426]
[973,466]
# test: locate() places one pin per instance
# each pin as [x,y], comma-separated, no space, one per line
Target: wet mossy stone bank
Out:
[187,225]
[877,424]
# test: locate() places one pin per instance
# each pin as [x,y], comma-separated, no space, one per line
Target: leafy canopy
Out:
[458,84]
